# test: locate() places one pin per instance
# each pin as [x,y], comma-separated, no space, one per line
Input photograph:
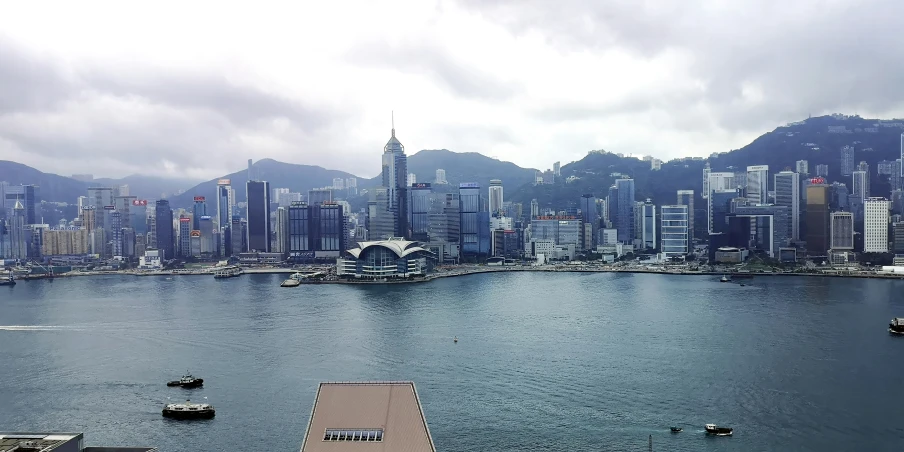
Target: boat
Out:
[227,272]
[455,339]
[187,381]
[725,278]
[291,282]
[675,429]
[713,429]
[896,326]
[189,410]
[9,280]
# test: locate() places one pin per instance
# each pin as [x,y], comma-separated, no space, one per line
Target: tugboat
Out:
[187,381]
[712,429]
[896,326]
[725,278]
[676,429]
[189,410]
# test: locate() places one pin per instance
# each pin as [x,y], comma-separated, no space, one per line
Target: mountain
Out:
[818,140]
[52,187]
[147,187]
[297,178]
[463,167]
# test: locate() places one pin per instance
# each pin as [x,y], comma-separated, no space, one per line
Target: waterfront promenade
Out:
[464,270]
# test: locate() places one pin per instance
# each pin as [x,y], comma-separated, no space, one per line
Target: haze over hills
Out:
[817,140]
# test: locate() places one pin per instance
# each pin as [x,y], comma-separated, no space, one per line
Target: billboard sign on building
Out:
[139,202]
[421,185]
[199,198]
[109,207]
[195,233]
[469,185]
[184,220]
[224,182]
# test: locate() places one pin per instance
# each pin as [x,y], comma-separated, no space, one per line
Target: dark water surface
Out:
[576,362]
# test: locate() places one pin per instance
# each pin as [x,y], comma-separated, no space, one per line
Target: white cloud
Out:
[112,87]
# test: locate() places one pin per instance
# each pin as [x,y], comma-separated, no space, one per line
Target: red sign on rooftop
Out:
[818,180]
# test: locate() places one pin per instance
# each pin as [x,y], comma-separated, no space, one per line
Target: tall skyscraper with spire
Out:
[395,180]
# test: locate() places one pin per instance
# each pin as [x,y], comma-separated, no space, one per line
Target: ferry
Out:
[187,381]
[9,280]
[227,272]
[189,410]
[713,429]
[725,278]
[896,326]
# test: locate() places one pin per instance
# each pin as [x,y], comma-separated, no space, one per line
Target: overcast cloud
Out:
[193,89]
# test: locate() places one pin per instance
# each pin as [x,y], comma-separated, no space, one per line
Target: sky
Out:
[194,89]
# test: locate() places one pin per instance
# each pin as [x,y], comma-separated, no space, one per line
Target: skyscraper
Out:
[648,224]
[817,217]
[674,231]
[842,231]
[686,198]
[395,175]
[787,193]
[421,205]
[802,167]
[225,203]
[624,221]
[163,216]
[319,196]
[534,208]
[26,195]
[116,233]
[757,184]
[706,173]
[282,230]
[469,209]
[199,209]
[860,185]
[721,181]
[412,179]
[258,227]
[718,208]
[875,225]
[847,160]
[18,245]
[184,237]
[441,177]
[822,170]
[495,197]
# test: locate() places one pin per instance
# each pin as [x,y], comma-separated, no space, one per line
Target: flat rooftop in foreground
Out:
[367,416]
[55,442]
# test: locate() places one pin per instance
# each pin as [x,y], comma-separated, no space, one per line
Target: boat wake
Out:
[39,328]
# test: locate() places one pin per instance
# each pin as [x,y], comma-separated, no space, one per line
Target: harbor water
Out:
[544,361]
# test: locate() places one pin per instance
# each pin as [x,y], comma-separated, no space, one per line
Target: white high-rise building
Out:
[721,181]
[495,197]
[412,179]
[706,173]
[338,183]
[902,154]
[802,167]
[441,176]
[842,231]
[757,184]
[674,231]
[787,193]
[860,186]
[875,225]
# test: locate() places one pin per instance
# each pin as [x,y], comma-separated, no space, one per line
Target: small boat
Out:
[455,339]
[896,326]
[713,429]
[725,278]
[742,284]
[187,381]
[189,410]
[675,429]
[290,283]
